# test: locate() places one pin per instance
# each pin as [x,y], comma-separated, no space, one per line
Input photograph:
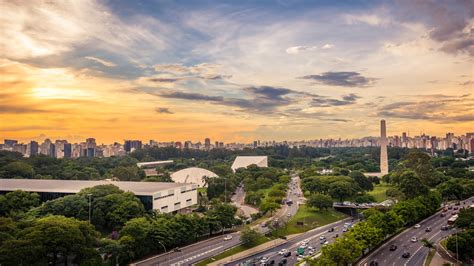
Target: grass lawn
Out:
[311,218]
[379,192]
[233,251]
[430,257]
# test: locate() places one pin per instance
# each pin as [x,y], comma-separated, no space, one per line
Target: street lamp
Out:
[225,189]
[159,242]
[90,206]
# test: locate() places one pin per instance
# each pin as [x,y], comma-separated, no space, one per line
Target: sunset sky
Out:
[234,70]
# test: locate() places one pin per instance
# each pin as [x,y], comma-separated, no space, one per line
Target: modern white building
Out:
[164,197]
[244,161]
[194,175]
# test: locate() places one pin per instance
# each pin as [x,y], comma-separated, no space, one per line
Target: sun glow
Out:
[56,93]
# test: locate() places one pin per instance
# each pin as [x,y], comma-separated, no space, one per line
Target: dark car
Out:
[428,229]
[443,214]
[393,247]
[406,254]
[331,230]
[374,263]
[272,262]
[287,254]
[282,262]
[444,228]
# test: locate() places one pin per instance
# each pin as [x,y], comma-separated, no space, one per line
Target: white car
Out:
[306,241]
[264,260]
[289,215]
[417,226]
[310,248]
[311,252]
[322,237]
[300,258]
[228,237]
[414,239]
[326,243]
[283,251]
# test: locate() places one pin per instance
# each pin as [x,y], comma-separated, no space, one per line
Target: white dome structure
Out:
[244,161]
[192,175]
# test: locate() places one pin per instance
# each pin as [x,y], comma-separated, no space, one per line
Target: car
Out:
[311,252]
[442,214]
[345,229]
[283,251]
[331,229]
[325,243]
[306,241]
[287,254]
[272,262]
[289,215]
[263,225]
[264,260]
[310,248]
[457,203]
[300,258]
[393,247]
[414,239]
[444,228]
[374,263]
[455,208]
[450,207]
[336,236]
[228,237]
[406,254]
[417,226]
[282,262]
[303,246]
[428,229]
[322,237]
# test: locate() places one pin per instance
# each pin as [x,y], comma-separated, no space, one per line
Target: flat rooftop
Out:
[74,186]
[155,163]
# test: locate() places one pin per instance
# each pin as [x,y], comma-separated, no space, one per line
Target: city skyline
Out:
[234,72]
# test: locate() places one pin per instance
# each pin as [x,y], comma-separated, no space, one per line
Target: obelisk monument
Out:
[383,149]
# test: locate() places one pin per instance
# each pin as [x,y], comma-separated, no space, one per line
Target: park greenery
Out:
[58,232]
[463,241]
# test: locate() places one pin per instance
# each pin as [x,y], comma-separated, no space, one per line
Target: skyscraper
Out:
[33,148]
[383,148]
[207,143]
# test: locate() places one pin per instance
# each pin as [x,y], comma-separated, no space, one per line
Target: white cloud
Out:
[34,29]
[327,46]
[370,19]
[101,61]
[298,49]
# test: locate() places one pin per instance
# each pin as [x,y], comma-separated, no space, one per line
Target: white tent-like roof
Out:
[192,175]
[244,161]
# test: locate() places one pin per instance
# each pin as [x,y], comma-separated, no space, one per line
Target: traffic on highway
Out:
[407,248]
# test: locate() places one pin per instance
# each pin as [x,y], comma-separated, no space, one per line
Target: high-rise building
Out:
[32,148]
[67,150]
[131,145]
[10,142]
[207,143]
[47,148]
[383,148]
[21,148]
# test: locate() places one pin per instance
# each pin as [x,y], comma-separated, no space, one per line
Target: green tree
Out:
[411,185]
[320,201]
[18,169]
[50,240]
[342,252]
[269,206]
[361,180]
[342,190]
[462,243]
[249,236]
[466,218]
[128,173]
[451,190]
[18,202]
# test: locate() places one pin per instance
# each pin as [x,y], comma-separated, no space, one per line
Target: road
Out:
[403,241]
[208,248]
[238,200]
[313,236]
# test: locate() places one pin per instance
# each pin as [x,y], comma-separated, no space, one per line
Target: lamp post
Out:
[159,242]
[90,206]
[225,189]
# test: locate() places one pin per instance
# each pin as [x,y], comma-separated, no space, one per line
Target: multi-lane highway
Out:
[209,248]
[404,243]
[314,242]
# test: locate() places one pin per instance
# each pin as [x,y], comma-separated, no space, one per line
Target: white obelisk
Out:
[383,149]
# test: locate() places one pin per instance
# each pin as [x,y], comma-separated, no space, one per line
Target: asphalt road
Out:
[313,236]
[416,249]
[208,248]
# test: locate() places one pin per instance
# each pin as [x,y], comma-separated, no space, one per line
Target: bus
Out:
[452,220]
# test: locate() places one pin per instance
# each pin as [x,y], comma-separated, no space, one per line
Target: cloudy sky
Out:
[234,70]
